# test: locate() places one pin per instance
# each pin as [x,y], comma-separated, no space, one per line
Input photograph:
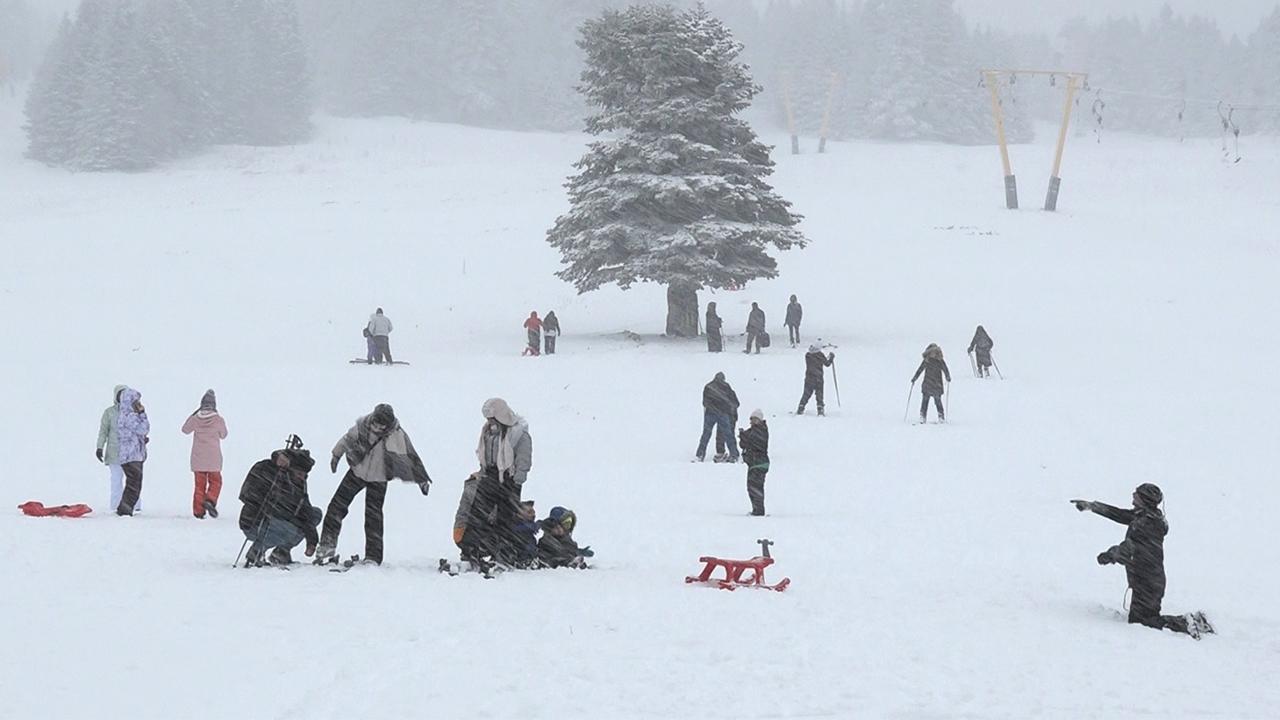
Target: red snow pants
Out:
[208,487]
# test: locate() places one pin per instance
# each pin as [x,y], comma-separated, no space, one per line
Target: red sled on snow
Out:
[38,509]
[734,570]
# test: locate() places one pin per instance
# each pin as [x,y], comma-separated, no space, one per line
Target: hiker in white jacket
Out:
[379,328]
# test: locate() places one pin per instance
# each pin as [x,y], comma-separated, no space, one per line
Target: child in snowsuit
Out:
[550,331]
[715,340]
[208,430]
[755,454]
[557,547]
[370,347]
[524,550]
[982,343]
[1142,554]
[934,368]
[533,326]
[132,428]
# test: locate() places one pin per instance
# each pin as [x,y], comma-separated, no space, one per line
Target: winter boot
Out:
[923,418]
[211,508]
[325,554]
[821,411]
[700,458]
[800,410]
[720,457]
[253,558]
[280,556]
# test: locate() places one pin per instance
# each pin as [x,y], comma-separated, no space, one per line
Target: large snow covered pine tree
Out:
[676,194]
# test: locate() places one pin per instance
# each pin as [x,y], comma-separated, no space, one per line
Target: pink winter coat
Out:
[206,446]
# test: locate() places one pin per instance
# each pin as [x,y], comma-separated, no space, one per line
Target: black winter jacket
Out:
[813,364]
[719,398]
[934,369]
[1142,551]
[794,313]
[754,442]
[713,323]
[271,490]
[983,343]
[755,321]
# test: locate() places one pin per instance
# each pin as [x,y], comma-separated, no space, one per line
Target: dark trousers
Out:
[753,337]
[375,494]
[1144,609]
[811,389]
[382,348]
[723,425]
[924,406]
[550,342]
[755,489]
[491,526]
[132,487]
[715,341]
[793,332]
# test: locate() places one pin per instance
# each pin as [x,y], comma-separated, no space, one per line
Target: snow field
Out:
[936,571]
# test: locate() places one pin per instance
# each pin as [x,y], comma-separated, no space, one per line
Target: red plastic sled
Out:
[734,570]
[38,509]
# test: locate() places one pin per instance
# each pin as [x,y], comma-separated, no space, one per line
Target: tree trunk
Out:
[682,311]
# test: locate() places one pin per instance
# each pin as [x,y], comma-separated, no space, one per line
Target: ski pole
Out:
[242,547]
[946,405]
[973,365]
[835,379]
[997,367]
[909,392]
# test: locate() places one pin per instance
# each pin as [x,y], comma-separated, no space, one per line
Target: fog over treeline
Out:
[125,84]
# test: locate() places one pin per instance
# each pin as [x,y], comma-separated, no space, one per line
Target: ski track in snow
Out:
[937,572]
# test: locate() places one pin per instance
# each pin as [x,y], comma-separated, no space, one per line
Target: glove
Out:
[98,453]
[333,464]
[425,487]
[311,549]
[1082,505]
[1104,558]
[587,552]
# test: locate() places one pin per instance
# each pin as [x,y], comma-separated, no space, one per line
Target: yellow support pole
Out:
[1055,181]
[791,117]
[826,114]
[1010,182]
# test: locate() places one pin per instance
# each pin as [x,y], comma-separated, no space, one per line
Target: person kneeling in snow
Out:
[557,548]
[277,512]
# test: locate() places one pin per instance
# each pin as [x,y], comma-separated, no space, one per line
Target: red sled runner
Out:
[734,570]
[38,509]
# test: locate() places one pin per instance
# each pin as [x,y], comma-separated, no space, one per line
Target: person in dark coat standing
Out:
[550,331]
[794,313]
[719,411]
[982,343]
[1142,555]
[814,362]
[715,340]
[934,369]
[755,327]
[533,326]
[277,512]
[755,454]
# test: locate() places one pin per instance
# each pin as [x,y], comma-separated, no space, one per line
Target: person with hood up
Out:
[533,328]
[792,321]
[934,369]
[505,455]
[277,513]
[557,548]
[208,430]
[715,326]
[814,377]
[1142,555]
[377,450]
[132,428]
[755,454]
[755,327]
[982,343]
[550,331]
[108,449]
[719,411]
[379,328]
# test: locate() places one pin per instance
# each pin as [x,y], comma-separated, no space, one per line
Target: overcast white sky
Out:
[1233,16]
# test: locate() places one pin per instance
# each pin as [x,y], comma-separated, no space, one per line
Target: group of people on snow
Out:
[720,413]
[542,333]
[757,335]
[377,339]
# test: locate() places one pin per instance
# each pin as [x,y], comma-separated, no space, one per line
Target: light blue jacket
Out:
[132,428]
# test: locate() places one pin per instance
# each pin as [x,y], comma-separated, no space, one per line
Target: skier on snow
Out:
[934,368]
[557,548]
[132,428]
[715,340]
[814,377]
[792,321]
[378,450]
[208,430]
[755,454]
[755,327]
[505,454]
[550,331]
[379,328]
[108,450]
[982,343]
[277,512]
[1142,554]
[719,411]
[533,327]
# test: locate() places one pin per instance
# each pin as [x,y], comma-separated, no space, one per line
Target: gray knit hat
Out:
[209,401]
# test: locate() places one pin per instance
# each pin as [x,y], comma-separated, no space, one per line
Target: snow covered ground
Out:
[936,571]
